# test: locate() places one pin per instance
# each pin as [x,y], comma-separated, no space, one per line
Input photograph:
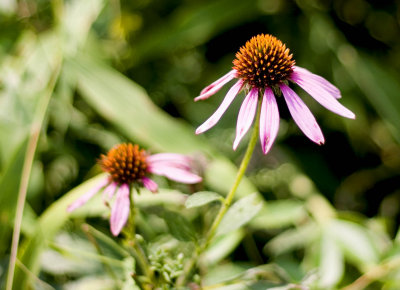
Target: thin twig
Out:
[373,274]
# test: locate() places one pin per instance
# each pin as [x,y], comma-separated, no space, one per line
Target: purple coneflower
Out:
[127,165]
[263,66]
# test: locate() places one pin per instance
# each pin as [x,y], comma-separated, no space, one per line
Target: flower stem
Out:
[242,169]
[139,253]
[227,201]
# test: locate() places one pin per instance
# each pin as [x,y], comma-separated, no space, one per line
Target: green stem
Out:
[227,201]
[242,169]
[139,253]
[27,168]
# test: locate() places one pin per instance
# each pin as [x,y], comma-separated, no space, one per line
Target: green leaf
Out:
[47,226]
[179,226]
[378,83]
[354,241]
[76,22]
[331,262]
[278,214]
[130,267]
[292,239]
[9,185]
[65,257]
[224,273]
[191,26]
[240,213]
[201,198]
[381,89]
[222,246]
[126,105]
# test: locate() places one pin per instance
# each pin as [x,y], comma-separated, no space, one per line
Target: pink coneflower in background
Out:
[263,66]
[126,166]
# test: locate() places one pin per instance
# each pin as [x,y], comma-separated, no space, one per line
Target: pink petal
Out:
[320,94]
[150,184]
[216,86]
[246,115]
[168,157]
[109,191]
[175,159]
[230,96]
[317,80]
[120,210]
[302,115]
[269,120]
[176,174]
[88,195]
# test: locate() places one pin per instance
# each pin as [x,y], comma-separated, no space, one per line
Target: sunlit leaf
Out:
[222,246]
[77,20]
[201,198]
[192,25]
[380,88]
[9,185]
[331,263]
[51,220]
[240,213]
[292,239]
[354,241]
[278,214]
[226,272]
[90,282]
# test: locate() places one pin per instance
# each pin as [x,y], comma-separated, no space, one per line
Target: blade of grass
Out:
[26,170]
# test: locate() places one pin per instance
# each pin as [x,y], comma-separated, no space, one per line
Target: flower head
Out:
[263,66]
[127,165]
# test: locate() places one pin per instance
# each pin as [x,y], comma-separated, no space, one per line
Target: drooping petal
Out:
[109,191]
[302,115]
[246,115]
[88,195]
[317,90]
[175,173]
[230,96]
[175,157]
[150,184]
[317,80]
[120,210]
[178,160]
[269,120]
[215,86]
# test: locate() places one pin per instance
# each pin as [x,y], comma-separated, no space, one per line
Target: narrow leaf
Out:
[201,198]
[240,213]
[331,263]
[51,220]
[354,241]
[179,226]
[222,246]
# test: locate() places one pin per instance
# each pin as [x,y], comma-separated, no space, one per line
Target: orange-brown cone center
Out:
[125,163]
[264,61]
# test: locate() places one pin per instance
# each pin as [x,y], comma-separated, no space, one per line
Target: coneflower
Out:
[263,66]
[127,165]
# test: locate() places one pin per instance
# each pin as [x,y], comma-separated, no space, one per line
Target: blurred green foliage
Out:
[129,70]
